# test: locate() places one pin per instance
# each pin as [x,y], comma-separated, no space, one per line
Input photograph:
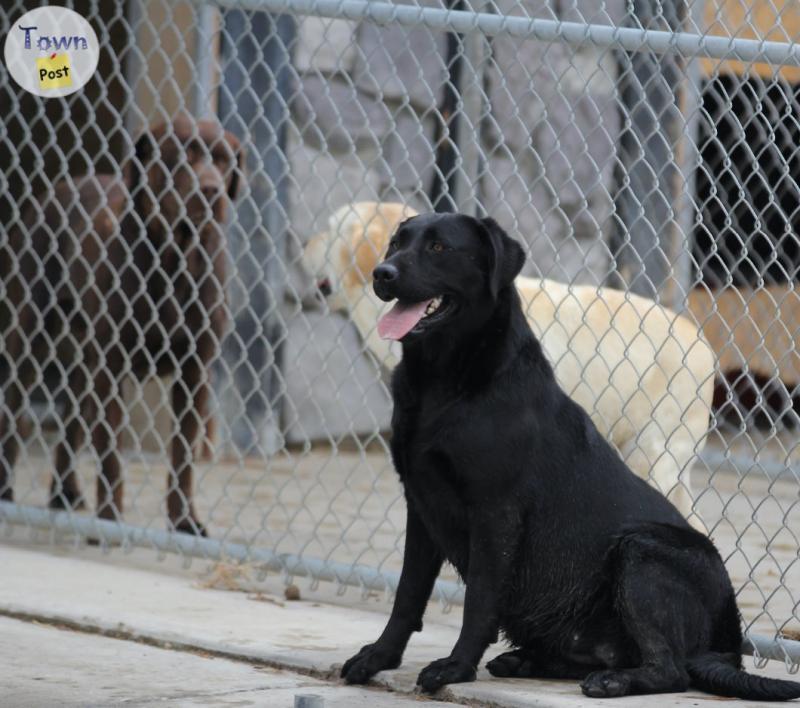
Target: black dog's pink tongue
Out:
[401,319]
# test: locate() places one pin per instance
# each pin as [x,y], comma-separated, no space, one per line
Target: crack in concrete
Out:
[330,676]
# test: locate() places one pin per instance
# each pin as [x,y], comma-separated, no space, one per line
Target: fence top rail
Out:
[573,33]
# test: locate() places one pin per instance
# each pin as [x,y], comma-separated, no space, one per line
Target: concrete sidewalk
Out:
[239,634]
[44,666]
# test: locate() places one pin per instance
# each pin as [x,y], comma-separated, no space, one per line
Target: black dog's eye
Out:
[392,245]
[437,247]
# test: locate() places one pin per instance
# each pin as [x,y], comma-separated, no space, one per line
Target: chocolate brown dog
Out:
[111,278]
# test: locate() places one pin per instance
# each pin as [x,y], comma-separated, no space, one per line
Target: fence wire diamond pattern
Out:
[649,147]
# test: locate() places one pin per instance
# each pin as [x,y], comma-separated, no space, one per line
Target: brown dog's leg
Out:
[65,492]
[190,401]
[20,378]
[105,438]
[206,445]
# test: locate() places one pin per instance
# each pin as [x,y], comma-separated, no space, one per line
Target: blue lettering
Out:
[44,43]
[63,42]
[27,31]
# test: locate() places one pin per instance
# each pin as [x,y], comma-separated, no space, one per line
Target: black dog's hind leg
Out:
[533,663]
[656,604]
[421,564]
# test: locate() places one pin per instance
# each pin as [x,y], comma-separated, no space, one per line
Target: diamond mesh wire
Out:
[647,146]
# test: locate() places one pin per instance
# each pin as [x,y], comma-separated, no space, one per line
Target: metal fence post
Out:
[456,182]
[688,160]
[445,184]
[648,234]
[476,50]
[205,53]
[134,70]
[253,103]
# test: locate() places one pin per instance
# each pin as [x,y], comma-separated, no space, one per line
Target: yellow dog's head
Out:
[342,258]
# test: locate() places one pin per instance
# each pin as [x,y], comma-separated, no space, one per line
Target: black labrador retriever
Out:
[588,571]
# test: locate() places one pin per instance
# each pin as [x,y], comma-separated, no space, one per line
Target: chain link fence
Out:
[644,152]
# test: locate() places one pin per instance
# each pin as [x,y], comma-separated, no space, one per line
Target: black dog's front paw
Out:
[368,662]
[606,684]
[444,671]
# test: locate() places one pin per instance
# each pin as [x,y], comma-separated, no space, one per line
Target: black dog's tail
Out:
[720,674]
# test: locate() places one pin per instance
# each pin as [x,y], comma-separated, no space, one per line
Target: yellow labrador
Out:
[643,373]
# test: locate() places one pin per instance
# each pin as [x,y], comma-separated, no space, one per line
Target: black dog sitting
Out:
[585,568]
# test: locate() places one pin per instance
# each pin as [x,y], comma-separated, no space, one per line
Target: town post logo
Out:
[51,51]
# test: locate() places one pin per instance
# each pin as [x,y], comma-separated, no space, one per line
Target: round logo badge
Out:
[51,51]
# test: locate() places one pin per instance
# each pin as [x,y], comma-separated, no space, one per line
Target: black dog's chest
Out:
[432,481]
[438,502]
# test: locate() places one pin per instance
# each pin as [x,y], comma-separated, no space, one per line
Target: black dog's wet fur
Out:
[585,568]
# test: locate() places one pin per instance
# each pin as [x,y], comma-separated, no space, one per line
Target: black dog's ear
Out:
[507,256]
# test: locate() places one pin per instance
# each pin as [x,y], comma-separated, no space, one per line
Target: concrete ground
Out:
[46,665]
[80,627]
[346,506]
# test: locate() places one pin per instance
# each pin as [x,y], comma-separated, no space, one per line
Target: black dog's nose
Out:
[385,273]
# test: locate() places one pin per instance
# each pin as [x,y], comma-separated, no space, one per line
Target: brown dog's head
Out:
[185,172]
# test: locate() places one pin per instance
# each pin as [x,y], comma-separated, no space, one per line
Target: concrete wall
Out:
[364,131]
